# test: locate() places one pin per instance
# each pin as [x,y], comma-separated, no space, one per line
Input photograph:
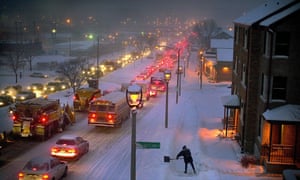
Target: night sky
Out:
[222,11]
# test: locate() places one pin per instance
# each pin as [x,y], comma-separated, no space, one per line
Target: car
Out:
[36,87]
[38,75]
[5,100]
[70,147]
[11,90]
[56,86]
[25,95]
[44,167]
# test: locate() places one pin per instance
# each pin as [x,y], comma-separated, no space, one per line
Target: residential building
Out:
[266,80]
[217,61]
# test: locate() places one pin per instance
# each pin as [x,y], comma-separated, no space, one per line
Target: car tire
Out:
[65,172]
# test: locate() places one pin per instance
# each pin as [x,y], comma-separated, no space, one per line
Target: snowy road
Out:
[194,121]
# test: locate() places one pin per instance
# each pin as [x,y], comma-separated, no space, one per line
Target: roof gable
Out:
[279,16]
[262,12]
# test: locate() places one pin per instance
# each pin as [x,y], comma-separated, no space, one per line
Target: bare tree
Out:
[14,62]
[206,30]
[72,70]
[145,41]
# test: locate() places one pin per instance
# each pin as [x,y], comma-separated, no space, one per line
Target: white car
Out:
[70,147]
[44,168]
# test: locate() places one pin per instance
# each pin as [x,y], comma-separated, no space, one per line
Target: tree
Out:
[144,41]
[14,62]
[72,70]
[205,30]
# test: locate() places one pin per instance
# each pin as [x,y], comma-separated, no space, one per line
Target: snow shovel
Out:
[168,159]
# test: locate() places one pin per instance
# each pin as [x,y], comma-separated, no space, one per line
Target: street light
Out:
[177,84]
[201,67]
[167,76]
[180,72]
[134,98]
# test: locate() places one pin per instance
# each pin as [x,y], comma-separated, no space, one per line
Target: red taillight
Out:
[93,115]
[43,119]
[21,175]
[72,151]
[45,176]
[14,117]
[76,97]
[109,116]
[53,150]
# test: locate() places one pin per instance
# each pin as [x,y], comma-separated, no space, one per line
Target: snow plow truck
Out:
[40,118]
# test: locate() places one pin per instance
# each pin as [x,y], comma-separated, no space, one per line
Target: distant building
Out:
[217,61]
[266,80]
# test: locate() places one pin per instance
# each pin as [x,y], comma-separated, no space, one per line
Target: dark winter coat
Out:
[187,155]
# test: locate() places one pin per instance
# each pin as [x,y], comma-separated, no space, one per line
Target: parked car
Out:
[11,90]
[44,168]
[70,147]
[38,75]
[25,95]
[5,100]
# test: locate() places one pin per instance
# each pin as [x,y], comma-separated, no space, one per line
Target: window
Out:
[282,41]
[244,74]
[236,65]
[264,85]
[245,43]
[237,35]
[279,87]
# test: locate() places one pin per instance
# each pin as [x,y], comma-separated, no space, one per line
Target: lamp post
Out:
[201,67]
[134,99]
[177,84]
[167,76]
[180,72]
[98,44]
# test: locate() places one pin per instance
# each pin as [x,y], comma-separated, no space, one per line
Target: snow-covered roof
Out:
[280,15]
[262,11]
[212,60]
[225,55]
[288,113]
[230,101]
[221,43]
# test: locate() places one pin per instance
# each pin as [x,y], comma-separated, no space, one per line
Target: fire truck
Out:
[83,96]
[109,110]
[39,117]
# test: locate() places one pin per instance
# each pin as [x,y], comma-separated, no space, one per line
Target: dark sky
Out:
[223,11]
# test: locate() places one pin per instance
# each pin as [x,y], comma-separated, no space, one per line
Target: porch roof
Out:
[286,113]
[231,101]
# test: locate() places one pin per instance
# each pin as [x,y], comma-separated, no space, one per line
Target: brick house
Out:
[266,80]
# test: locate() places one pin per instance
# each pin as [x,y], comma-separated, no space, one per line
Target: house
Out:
[217,61]
[266,80]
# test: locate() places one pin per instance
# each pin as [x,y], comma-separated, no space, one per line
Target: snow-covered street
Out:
[195,122]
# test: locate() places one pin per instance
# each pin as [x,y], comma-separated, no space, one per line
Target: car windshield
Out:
[66,142]
[37,166]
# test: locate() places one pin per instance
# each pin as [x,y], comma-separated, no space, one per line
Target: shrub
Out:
[247,160]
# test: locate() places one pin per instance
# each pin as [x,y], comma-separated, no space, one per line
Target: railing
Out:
[279,153]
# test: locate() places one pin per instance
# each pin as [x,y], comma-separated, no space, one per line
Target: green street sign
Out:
[147,145]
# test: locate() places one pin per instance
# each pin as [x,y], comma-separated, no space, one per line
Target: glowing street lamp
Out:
[134,98]
[180,70]
[167,76]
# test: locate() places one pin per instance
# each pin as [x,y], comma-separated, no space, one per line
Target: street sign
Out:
[147,145]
